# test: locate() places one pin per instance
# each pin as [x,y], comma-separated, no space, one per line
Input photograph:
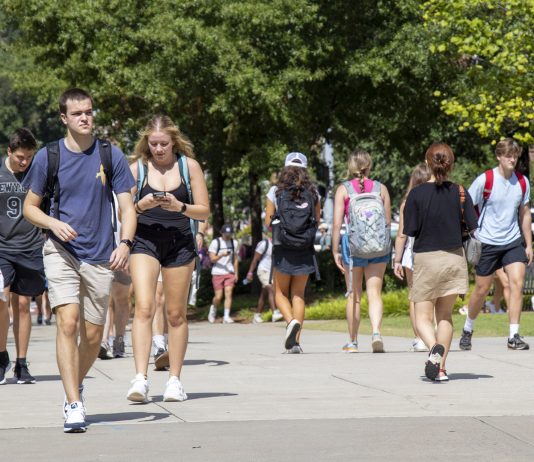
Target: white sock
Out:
[158,341]
[111,338]
[514,329]
[469,324]
[166,339]
[227,312]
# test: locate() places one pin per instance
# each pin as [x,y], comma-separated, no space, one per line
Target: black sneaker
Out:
[433,363]
[105,351]
[4,366]
[517,343]
[40,319]
[22,374]
[465,340]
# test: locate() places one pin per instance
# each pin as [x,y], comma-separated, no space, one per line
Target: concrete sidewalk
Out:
[249,402]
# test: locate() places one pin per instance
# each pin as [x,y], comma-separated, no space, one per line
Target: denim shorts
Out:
[365,262]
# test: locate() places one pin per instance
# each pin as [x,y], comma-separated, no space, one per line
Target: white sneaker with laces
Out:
[228,320]
[257,318]
[75,421]
[277,316]
[138,392]
[66,403]
[418,345]
[174,391]
[212,314]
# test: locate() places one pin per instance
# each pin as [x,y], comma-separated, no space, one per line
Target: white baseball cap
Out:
[296,159]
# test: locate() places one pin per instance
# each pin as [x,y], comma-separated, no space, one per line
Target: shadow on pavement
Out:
[52,378]
[468,376]
[190,396]
[199,362]
[143,417]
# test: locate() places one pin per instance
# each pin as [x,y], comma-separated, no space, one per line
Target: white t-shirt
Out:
[225,265]
[265,263]
[499,218]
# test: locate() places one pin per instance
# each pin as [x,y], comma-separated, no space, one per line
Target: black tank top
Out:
[164,220]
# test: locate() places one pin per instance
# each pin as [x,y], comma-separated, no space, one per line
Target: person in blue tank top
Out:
[80,254]
[164,240]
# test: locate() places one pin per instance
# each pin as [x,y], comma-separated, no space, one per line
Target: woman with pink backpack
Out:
[365,206]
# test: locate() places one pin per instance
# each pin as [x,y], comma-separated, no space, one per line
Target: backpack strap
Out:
[488,185]
[52,185]
[523,184]
[104,149]
[376,187]
[266,249]
[142,178]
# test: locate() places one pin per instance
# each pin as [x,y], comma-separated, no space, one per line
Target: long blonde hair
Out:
[359,166]
[420,175]
[181,144]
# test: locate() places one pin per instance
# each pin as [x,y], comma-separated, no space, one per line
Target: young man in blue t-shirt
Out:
[80,254]
[505,233]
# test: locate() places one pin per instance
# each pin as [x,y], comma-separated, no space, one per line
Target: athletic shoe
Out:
[257,318]
[4,368]
[491,307]
[105,351]
[40,319]
[66,403]
[292,330]
[174,391]
[463,310]
[228,320]
[48,321]
[22,374]
[351,347]
[277,316]
[161,360]
[465,340]
[138,392]
[296,350]
[442,376]
[377,344]
[418,345]
[75,421]
[433,364]
[212,314]
[517,343]
[118,347]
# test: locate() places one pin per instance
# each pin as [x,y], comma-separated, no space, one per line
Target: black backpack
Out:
[294,224]
[52,184]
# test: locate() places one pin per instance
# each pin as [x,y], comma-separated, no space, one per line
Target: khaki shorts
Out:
[263,276]
[71,281]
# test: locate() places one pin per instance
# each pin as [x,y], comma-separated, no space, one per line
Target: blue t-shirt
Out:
[500,225]
[84,202]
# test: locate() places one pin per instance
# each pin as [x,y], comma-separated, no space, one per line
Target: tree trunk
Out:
[216,200]
[255,208]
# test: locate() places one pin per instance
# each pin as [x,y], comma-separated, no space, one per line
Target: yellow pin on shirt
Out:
[102,175]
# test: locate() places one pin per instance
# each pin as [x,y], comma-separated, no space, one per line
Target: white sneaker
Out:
[292,330]
[418,345]
[228,320]
[174,391]
[212,314]
[66,403]
[277,316]
[75,421]
[257,318]
[138,392]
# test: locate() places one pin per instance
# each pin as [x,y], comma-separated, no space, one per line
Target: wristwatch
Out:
[127,242]
[184,207]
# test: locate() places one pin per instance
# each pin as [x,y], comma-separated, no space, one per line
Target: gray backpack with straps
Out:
[369,235]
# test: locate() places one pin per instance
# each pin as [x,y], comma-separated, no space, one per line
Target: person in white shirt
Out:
[223,253]
[263,261]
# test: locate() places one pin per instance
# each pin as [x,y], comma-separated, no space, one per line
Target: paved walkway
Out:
[249,402]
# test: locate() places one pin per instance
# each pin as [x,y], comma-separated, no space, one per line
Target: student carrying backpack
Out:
[293,211]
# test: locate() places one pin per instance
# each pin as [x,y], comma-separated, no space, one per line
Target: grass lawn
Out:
[487,325]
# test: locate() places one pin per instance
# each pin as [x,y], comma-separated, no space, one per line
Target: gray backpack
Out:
[369,235]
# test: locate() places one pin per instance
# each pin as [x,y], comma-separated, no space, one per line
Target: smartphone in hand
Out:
[159,194]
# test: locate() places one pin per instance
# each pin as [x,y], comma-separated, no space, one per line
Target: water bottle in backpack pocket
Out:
[369,234]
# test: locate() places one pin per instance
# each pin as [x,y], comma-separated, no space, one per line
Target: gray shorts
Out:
[71,281]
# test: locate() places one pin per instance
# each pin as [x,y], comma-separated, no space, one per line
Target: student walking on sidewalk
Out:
[502,196]
[433,217]
[293,210]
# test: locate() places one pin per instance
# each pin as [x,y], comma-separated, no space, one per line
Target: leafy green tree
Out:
[490,43]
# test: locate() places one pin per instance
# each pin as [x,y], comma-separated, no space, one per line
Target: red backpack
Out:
[488,186]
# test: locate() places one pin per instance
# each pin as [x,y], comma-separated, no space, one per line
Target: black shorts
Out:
[171,249]
[24,272]
[494,257]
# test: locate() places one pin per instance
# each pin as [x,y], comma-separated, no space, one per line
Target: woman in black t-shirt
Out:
[433,216]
